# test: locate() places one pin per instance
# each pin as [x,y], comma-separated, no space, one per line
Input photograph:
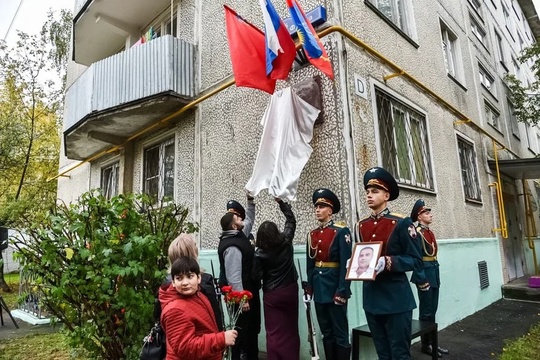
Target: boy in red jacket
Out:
[187,317]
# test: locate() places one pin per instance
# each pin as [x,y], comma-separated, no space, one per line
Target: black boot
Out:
[343,353]
[330,350]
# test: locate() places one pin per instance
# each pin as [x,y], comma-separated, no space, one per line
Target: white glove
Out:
[381,263]
[424,287]
[348,263]
[306,298]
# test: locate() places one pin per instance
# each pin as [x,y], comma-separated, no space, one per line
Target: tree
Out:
[32,79]
[99,264]
[526,99]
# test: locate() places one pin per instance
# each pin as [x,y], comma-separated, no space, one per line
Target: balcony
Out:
[121,95]
[101,28]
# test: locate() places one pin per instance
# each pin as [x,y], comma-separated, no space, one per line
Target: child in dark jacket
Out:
[187,316]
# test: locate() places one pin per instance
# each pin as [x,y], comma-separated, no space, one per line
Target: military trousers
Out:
[391,334]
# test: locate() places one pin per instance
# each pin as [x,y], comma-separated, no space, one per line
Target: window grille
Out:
[159,170]
[404,142]
[469,170]
[109,180]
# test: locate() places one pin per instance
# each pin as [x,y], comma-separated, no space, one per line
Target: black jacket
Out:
[241,242]
[275,267]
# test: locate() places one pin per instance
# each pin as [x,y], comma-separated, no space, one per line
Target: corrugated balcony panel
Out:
[78,102]
[126,92]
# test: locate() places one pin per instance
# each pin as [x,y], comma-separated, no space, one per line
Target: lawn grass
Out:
[525,347]
[11,297]
[40,346]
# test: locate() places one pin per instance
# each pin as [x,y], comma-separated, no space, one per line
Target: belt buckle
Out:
[319,264]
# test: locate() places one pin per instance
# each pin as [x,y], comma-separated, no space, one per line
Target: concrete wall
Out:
[460,293]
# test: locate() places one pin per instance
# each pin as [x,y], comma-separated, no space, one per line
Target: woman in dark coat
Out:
[274,266]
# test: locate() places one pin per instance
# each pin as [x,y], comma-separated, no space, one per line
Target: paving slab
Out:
[9,331]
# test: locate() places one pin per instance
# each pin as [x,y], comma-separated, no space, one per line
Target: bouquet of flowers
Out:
[234,301]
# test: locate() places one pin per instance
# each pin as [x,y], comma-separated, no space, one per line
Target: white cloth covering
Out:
[284,149]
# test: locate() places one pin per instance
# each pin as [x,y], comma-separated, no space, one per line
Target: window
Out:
[469,170]
[517,69]
[478,31]
[508,21]
[450,52]
[404,142]
[500,48]
[159,170]
[109,180]
[475,4]
[398,12]
[486,79]
[512,119]
[492,116]
[521,44]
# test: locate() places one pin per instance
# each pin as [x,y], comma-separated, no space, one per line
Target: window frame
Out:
[419,174]
[512,119]
[398,8]
[492,116]
[161,145]
[470,176]
[451,50]
[484,74]
[114,167]
[478,31]
[500,50]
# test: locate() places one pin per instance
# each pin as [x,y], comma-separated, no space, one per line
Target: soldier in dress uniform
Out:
[388,301]
[429,300]
[329,247]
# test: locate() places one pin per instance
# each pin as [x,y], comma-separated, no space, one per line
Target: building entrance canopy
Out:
[518,169]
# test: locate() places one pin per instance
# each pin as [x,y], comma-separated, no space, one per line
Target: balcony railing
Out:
[127,91]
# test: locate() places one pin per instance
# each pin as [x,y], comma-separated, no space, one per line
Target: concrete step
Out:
[519,289]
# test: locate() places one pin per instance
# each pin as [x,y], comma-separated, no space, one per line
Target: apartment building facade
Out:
[418,89]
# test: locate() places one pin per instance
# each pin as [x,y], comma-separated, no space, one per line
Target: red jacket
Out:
[190,326]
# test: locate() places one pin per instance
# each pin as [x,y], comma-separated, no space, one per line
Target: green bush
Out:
[98,265]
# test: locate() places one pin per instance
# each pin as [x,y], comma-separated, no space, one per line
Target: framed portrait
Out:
[363,261]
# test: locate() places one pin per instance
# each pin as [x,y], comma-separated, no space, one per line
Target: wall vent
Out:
[483,272]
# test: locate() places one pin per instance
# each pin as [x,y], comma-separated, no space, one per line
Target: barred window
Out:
[159,170]
[469,170]
[109,180]
[404,142]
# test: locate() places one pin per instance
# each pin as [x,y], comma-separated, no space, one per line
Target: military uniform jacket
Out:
[390,292]
[329,244]
[429,249]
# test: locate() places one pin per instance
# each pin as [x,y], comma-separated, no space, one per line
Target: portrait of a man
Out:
[362,264]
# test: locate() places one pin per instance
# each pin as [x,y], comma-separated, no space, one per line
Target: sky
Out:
[30,17]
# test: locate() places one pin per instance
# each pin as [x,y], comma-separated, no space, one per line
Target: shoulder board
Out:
[401,216]
[340,224]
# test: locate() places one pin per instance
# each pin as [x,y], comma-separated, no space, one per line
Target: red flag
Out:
[248,54]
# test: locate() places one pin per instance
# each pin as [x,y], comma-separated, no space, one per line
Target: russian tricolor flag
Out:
[314,49]
[280,47]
